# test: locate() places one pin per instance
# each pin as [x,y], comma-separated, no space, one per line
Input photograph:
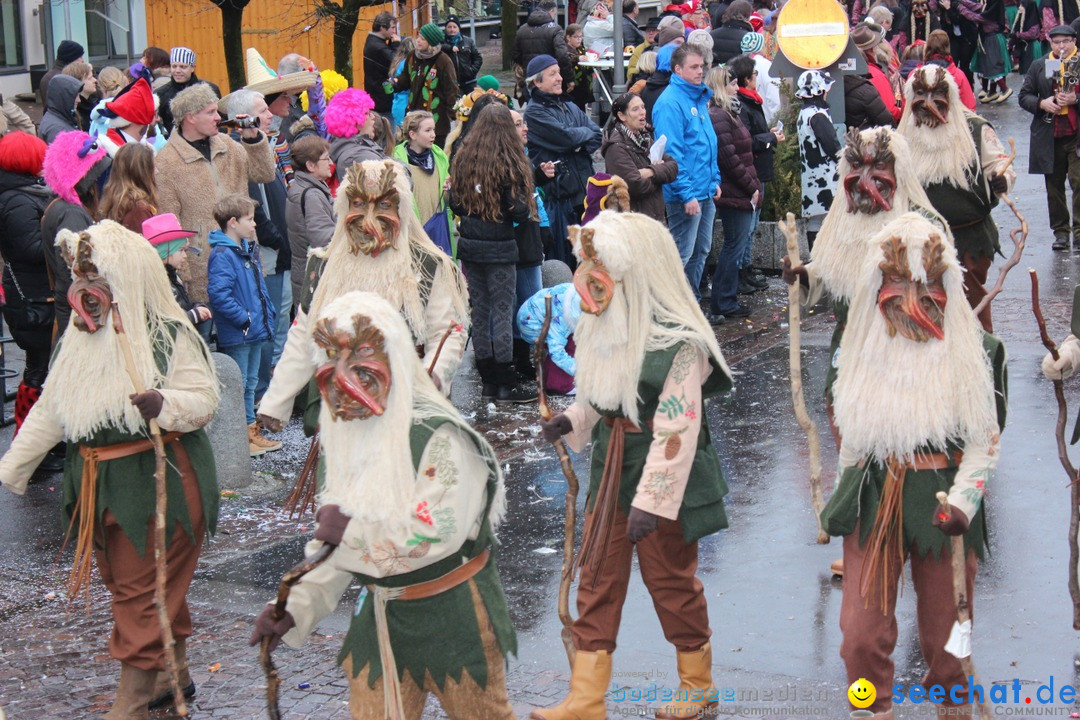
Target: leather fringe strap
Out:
[885,544]
[86,508]
[596,538]
[302,496]
[395,710]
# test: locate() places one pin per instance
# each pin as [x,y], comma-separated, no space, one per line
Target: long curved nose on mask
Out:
[912,306]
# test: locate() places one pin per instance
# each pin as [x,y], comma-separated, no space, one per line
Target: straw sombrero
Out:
[262,78]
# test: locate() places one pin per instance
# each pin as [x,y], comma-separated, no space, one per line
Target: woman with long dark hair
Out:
[491,189]
[627,139]
[130,194]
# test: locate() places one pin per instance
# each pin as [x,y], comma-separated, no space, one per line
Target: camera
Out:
[242,122]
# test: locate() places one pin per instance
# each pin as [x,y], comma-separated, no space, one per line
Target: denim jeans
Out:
[247,356]
[528,284]
[725,288]
[693,237]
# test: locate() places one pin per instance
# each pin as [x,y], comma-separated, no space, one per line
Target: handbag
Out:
[27,313]
[437,228]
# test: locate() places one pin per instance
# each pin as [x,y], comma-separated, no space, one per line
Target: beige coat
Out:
[189,187]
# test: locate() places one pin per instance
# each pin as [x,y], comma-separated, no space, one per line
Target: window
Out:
[11,41]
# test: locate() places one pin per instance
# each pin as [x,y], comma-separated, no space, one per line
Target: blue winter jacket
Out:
[242,309]
[681,114]
[565,313]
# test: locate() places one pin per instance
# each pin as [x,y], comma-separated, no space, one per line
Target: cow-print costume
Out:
[818,165]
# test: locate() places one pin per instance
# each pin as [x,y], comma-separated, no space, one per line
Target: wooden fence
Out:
[273,27]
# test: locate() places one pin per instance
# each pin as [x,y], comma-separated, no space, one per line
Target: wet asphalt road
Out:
[773,605]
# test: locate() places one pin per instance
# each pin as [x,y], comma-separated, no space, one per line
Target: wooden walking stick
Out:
[963,607]
[798,400]
[1018,236]
[572,485]
[160,573]
[1063,456]
[273,680]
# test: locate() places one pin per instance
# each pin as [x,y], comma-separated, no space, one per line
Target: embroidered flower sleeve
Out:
[293,372]
[316,595]
[446,509]
[676,426]
[994,156]
[189,399]
[974,472]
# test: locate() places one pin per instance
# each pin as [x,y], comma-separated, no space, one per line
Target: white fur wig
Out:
[88,385]
[392,274]
[652,308]
[369,468]
[946,152]
[841,248]
[894,395]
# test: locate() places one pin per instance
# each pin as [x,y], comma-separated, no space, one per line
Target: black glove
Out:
[956,523]
[266,627]
[556,427]
[640,524]
[332,523]
[149,403]
[998,184]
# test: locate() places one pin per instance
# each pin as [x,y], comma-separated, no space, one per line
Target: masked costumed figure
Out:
[108,487]
[877,185]
[646,361]
[961,163]
[920,404]
[411,500]
[379,246]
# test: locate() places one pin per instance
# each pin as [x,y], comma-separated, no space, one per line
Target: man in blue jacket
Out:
[559,132]
[681,114]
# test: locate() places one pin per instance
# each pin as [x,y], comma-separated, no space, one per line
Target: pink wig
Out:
[347,111]
[70,158]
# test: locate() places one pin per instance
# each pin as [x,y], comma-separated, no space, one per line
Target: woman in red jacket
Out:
[740,191]
[868,35]
[939,52]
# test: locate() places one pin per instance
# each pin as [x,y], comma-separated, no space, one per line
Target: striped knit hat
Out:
[182,55]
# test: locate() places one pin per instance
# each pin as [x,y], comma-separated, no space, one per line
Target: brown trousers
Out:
[668,566]
[976,269]
[129,576]
[870,636]
[463,700]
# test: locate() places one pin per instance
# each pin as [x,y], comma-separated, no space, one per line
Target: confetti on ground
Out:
[215,667]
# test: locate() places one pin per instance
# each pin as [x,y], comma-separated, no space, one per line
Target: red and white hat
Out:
[134,105]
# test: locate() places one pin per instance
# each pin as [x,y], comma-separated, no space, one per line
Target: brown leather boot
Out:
[133,694]
[589,682]
[696,696]
[163,694]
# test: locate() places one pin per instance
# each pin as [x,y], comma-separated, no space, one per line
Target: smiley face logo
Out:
[862,693]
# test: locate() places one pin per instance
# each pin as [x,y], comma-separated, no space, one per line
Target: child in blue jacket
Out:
[560,365]
[241,304]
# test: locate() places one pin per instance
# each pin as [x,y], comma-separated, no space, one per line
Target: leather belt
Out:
[462,573]
[936,461]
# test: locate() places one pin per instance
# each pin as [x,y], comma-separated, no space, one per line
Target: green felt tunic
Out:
[967,209]
[858,493]
[439,635]
[702,512]
[126,485]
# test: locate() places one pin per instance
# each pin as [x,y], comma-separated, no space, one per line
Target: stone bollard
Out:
[228,430]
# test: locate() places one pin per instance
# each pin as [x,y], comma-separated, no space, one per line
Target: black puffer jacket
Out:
[540,35]
[727,40]
[23,200]
[863,105]
[490,243]
[764,142]
[735,157]
[378,54]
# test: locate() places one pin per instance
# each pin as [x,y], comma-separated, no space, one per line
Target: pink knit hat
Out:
[73,160]
[347,111]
